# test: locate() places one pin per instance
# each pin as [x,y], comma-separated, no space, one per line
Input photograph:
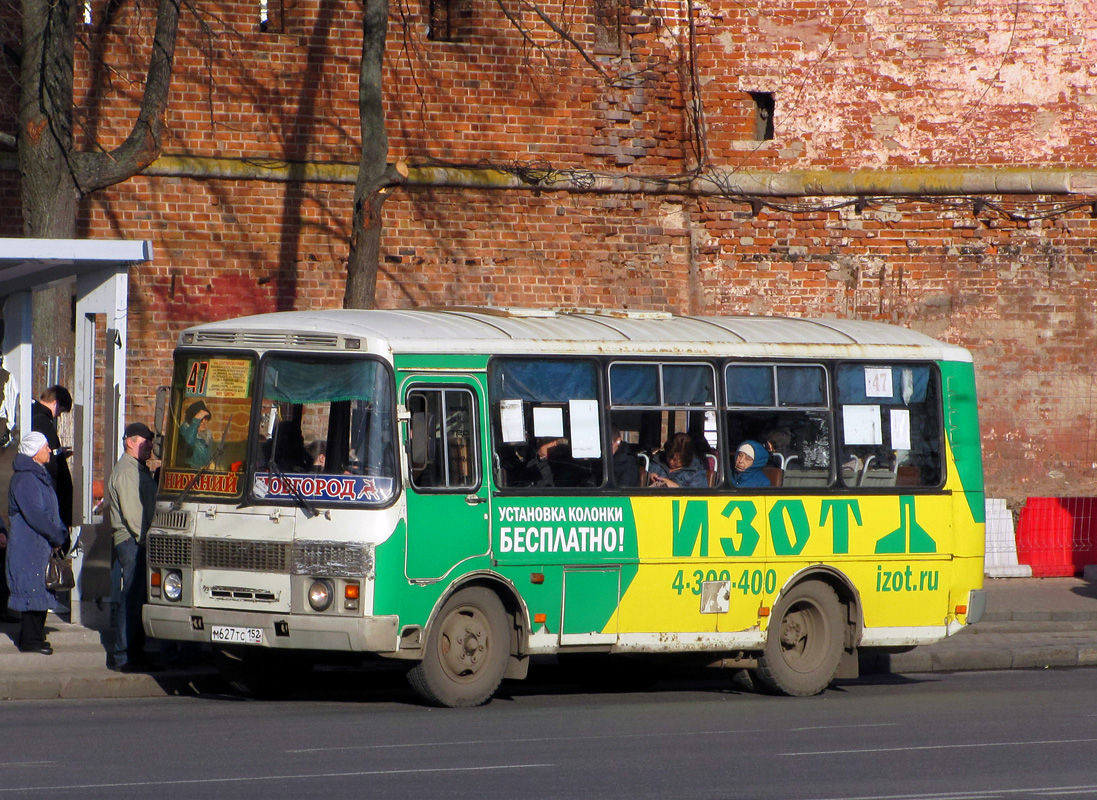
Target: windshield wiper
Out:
[308,508]
[182,498]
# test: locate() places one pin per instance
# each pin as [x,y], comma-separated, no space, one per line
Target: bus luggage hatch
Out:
[591,597]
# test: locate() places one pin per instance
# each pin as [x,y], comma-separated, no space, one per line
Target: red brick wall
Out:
[982,85]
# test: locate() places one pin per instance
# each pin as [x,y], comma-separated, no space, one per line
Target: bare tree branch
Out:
[97,170]
[555,28]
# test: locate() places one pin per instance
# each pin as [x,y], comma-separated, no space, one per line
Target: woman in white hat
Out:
[36,530]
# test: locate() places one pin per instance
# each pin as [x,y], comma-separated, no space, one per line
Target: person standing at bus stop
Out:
[36,530]
[9,446]
[51,404]
[132,493]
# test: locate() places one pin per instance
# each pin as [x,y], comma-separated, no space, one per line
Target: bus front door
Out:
[447,496]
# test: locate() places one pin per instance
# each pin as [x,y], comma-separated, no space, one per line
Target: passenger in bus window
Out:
[318,453]
[554,465]
[779,443]
[749,460]
[626,467]
[677,465]
[290,453]
[196,434]
[537,469]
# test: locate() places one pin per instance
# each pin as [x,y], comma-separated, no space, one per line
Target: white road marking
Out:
[957,746]
[5,764]
[976,795]
[304,776]
[659,735]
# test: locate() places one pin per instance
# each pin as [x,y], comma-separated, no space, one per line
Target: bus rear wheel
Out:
[804,642]
[466,653]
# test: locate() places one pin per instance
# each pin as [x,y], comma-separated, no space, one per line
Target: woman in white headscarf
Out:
[36,530]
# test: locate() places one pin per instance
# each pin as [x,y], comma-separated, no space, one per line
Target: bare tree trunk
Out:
[375,175]
[53,174]
[47,177]
[47,180]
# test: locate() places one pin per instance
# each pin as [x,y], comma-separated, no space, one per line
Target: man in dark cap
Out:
[132,493]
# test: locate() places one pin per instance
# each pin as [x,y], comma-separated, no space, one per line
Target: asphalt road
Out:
[1012,734]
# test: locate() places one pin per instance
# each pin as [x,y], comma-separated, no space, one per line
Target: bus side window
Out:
[786,409]
[546,427]
[652,401]
[890,424]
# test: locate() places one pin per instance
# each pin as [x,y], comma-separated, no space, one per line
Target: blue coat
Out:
[35,529]
[753,475]
[691,477]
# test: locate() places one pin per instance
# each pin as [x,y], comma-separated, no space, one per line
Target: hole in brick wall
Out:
[270,16]
[764,104]
[448,20]
[607,26]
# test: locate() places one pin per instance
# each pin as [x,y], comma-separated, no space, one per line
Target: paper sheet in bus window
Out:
[862,425]
[585,439]
[548,422]
[878,382]
[512,421]
[900,429]
[228,378]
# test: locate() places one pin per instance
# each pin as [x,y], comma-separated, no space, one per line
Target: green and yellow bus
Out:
[467,488]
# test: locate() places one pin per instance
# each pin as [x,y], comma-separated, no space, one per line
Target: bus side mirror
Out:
[159,420]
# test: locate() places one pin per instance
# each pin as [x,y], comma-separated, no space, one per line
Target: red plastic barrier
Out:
[1057,536]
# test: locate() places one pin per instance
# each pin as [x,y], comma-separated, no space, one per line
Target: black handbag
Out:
[59,575]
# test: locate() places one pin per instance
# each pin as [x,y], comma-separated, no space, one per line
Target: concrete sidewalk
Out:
[1029,623]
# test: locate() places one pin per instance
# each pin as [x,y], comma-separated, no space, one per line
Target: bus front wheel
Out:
[466,653]
[804,642]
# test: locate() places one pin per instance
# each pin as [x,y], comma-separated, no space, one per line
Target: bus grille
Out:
[236,593]
[169,550]
[171,520]
[267,339]
[335,559]
[243,555]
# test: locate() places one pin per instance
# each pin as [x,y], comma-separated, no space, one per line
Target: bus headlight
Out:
[320,595]
[173,585]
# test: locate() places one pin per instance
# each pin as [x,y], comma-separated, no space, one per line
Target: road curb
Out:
[111,685]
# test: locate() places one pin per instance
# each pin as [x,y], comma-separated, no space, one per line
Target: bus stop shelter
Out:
[98,271]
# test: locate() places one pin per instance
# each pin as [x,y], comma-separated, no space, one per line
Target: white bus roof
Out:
[542,331]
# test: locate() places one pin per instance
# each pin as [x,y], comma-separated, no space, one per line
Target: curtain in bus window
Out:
[857,384]
[544,381]
[634,384]
[750,385]
[331,416]
[801,386]
[688,385]
[311,382]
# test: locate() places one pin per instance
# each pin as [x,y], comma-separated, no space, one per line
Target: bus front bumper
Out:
[281,631]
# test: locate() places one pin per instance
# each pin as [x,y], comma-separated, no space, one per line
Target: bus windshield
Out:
[315,418]
[205,443]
